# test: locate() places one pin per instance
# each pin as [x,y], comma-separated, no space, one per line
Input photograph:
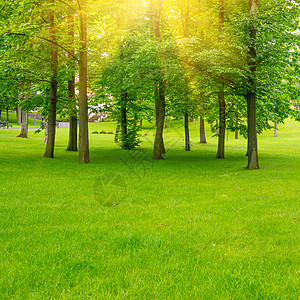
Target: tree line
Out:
[232,63]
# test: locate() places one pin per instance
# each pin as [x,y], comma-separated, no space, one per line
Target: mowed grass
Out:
[188,227]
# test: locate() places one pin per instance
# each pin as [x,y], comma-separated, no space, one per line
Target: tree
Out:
[49,152]
[250,96]
[84,156]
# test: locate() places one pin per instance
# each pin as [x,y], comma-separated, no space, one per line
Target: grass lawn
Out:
[188,227]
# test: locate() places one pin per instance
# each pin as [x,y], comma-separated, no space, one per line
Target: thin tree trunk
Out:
[237,132]
[222,127]
[211,127]
[24,126]
[236,135]
[251,96]
[202,131]
[159,148]
[160,106]
[252,134]
[221,98]
[7,115]
[187,132]
[49,152]
[46,131]
[19,116]
[117,133]
[124,116]
[72,146]
[275,129]
[84,156]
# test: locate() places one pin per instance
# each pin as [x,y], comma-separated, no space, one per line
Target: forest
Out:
[232,63]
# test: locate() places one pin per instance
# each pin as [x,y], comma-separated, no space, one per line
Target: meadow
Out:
[126,227]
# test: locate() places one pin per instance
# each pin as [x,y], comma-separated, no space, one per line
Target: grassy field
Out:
[126,227]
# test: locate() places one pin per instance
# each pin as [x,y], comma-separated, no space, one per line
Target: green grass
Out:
[12,119]
[188,227]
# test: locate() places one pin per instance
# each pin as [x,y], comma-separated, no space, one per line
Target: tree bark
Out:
[222,126]
[24,125]
[221,98]
[202,131]
[236,135]
[237,132]
[160,106]
[117,133]
[159,148]
[251,95]
[46,131]
[275,129]
[72,146]
[124,116]
[49,152]
[7,115]
[84,156]
[252,134]
[187,132]
[51,128]
[19,116]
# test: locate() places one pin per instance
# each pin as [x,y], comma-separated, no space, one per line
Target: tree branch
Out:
[69,6]
[47,40]
[46,60]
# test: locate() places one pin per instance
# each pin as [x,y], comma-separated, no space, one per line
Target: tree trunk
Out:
[72,146]
[19,116]
[159,148]
[211,127]
[202,131]
[237,132]
[187,132]
[222,127]
[217,125]
[24,126]
[124,115]
[117,133]
[49,152]
[251,96]
[84,156]
[236,135]
[46,131]
[252,134]
[7,115]
[275,129]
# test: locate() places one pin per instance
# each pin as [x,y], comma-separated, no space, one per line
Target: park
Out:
[149,149]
